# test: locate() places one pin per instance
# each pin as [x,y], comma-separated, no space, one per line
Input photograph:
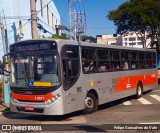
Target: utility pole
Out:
[81,20]
[70,19]
[76,18]
[2,32]
[75,25]
[33,19]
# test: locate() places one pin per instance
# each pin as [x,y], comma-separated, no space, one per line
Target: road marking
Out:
[155,90]
[127,103]
[150,123]
[144,101]
[156,97]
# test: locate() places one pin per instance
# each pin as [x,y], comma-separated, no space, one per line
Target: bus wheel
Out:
[139,90]
[90,104]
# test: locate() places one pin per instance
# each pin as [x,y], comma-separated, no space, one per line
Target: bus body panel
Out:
[105,86]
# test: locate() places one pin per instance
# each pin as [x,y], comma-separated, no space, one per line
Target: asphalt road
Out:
[124,111]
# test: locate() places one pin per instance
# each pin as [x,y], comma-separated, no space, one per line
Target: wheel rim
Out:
[89,102]
[139,90]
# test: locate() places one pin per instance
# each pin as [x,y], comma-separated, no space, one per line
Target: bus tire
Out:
[139,90]
[90,104]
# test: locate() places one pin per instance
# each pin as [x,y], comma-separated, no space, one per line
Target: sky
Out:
[96,12]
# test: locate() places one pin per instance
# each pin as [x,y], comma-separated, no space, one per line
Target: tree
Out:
[139,16]
[88,39]
[62,36]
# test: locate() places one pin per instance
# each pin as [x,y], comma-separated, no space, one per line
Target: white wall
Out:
[16,10]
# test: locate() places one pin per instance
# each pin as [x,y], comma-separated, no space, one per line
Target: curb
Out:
[4,111]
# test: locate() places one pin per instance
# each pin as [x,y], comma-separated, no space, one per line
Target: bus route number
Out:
[39,98]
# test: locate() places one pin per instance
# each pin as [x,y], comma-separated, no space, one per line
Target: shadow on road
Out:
[12,115]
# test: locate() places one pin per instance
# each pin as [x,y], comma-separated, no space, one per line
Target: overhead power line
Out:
[44,6]
[16,17]
[100,28]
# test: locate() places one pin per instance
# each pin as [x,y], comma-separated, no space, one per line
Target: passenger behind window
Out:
[102,68]
[125,65]
[117,67]
[92,67]
[85,66]
[133,66]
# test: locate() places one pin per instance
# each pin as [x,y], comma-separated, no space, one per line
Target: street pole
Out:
[70,19]
[75,25]
[33,19]
[3,38]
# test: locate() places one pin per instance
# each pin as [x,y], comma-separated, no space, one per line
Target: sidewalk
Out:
[3,108]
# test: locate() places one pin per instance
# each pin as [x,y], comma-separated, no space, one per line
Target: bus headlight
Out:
[49,101]
[13,99]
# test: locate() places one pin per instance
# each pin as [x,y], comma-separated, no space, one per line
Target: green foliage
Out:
[62,36]
[138,16]
[88,39]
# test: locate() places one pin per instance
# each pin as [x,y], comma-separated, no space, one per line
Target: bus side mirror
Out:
[3,71]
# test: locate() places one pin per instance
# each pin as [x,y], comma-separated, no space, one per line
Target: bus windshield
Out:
[35,70]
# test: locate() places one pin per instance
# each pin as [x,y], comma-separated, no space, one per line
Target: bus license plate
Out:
[29,108]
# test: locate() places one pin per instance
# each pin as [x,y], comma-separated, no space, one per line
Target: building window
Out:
[141,38]
[132,39]
[125,43]
[125,39]
[140,43]
[131,44]
[42,5]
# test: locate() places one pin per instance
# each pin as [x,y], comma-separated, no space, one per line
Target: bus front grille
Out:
[29,91]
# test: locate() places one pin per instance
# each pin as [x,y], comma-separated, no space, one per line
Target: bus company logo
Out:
[153,75]
[28,92]
[6,127]
[128,85]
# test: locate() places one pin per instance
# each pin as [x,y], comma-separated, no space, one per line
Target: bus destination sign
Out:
[32,47]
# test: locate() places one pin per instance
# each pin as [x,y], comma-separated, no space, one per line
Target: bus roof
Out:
[72,42]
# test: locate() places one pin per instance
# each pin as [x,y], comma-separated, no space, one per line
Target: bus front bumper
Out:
[55,108]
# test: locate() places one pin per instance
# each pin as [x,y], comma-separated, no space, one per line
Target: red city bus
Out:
[56,77]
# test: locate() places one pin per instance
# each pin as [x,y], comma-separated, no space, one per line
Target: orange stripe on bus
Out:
[31,97]
[130,82]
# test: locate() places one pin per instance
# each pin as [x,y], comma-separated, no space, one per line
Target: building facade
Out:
[127,40]
[16,18]
[109,39]
[135,40]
